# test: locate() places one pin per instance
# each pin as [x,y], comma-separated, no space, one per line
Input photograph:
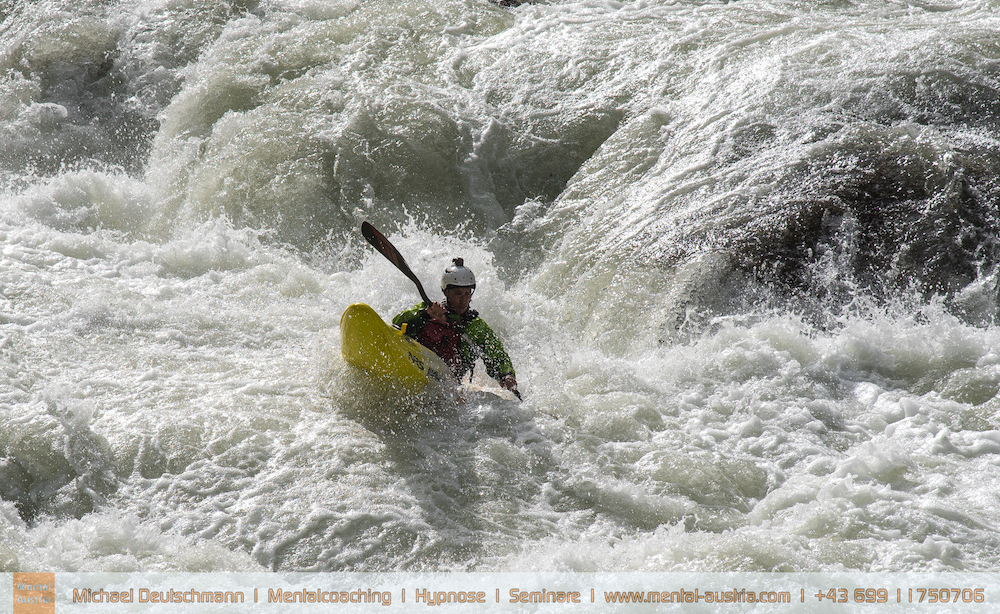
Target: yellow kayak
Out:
[386,354]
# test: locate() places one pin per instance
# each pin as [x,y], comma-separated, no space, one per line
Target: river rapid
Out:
[743,255]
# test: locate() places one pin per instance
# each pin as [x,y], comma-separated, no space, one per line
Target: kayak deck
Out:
[386,354]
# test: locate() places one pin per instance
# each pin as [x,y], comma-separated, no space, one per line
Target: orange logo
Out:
[34,593]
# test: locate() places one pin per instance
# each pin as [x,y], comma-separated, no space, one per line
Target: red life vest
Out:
[444,341]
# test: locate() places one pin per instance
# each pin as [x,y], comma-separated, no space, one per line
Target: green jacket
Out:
[477,339]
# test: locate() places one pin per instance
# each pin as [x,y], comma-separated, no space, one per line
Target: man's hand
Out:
[437,313]
[509,382]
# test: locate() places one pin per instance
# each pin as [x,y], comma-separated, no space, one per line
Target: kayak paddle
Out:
[387,249]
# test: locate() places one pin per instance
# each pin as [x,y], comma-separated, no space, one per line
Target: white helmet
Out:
[458,275]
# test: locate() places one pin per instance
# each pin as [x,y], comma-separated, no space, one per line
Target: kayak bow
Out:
[386,354]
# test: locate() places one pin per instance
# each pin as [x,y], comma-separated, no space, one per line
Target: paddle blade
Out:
[384,247]
[387,249]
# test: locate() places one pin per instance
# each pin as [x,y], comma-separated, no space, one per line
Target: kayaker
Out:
[456,333]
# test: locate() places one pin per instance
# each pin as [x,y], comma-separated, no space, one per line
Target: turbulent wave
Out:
[744,255]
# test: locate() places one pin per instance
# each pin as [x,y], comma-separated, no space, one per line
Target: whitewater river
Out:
[743,255]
